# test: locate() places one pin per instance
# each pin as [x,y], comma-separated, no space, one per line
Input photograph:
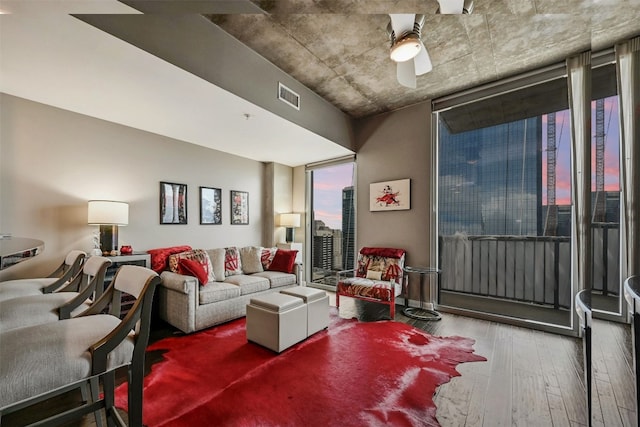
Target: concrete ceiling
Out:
[340,48]
[336,48]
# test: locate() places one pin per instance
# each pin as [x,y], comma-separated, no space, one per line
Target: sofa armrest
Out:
[179,282]
[297,270]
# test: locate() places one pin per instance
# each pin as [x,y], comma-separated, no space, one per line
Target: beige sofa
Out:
[189,306]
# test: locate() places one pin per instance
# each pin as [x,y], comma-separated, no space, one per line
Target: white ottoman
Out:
[317,302]
[276,321]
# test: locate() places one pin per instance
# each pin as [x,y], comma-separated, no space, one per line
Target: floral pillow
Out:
[389,267]
[199,255]
[232,261]
[266,257]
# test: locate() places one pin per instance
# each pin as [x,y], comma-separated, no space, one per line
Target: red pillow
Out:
[160,256]
[283,261]
[192,267]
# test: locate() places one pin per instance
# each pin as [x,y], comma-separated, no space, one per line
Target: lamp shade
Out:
[290,220]
[107,212]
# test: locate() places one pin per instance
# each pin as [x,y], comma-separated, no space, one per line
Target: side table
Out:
[419,313]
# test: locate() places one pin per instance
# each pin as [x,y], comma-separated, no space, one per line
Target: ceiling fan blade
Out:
[422,61]
[448,7]
[402,23]
[407,74]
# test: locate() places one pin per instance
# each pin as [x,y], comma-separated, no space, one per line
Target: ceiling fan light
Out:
[406,48]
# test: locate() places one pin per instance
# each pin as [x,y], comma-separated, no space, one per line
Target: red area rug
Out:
[353,374]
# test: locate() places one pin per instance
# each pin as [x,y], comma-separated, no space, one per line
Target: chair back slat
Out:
[132,279]
[93,264]
[73,256]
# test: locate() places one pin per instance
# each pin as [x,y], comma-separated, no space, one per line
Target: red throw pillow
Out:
[283,261]
[160,256]
[191,267]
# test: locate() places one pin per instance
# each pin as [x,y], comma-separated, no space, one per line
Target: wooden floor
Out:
[531,378]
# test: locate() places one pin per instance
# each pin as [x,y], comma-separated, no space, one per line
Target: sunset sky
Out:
[327,193]
[563,168]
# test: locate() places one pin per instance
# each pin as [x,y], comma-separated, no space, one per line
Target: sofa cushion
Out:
[198,255]
[250,257]
[266,257]
[217,257]
[218,291]
[278,278]
[283,261]
[249,284]
[191,267]
[160,256]
[232,261]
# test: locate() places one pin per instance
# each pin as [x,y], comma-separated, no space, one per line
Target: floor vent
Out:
[288,96]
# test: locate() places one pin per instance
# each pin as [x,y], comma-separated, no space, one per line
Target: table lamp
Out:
[291,221]
[108,215]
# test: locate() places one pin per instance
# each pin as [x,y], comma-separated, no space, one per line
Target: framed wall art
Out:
[239,207]
[210,205]
[173,203]
[390,195]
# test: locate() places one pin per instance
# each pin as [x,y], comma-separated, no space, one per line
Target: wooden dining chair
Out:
[42,361]
[57,280]
[44,308]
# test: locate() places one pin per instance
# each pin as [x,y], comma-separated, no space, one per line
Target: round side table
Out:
[419,313]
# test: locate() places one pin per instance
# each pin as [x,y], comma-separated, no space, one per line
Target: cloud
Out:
[331,219]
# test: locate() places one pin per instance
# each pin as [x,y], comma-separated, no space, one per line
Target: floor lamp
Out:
[108,215]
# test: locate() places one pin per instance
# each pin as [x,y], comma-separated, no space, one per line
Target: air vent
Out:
[288,96]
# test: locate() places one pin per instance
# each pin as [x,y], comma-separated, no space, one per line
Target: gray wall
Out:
[53,161]
[393,146]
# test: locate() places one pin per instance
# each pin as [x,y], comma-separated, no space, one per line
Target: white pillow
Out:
[250,259]
[374,275]
[217,262]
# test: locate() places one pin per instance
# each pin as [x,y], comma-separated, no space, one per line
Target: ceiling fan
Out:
[407,48]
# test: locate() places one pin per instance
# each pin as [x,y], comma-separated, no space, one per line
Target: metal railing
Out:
[526,268]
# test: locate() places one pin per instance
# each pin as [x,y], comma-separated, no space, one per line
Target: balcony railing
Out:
[526,268]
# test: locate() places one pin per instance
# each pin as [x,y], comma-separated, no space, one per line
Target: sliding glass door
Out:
[333,226]
[504,203]
[512,179]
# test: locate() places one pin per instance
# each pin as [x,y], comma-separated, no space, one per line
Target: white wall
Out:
[53,161]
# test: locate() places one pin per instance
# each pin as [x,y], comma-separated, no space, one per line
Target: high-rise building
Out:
[490,179]
[323,252]
[348,228]
[337,249]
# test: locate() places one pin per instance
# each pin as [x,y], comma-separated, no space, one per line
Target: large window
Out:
[505,207]
[504,203]
[333,222]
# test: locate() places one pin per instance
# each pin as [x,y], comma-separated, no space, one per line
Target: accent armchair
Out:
[57,280]
[378,277]
[41,361]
